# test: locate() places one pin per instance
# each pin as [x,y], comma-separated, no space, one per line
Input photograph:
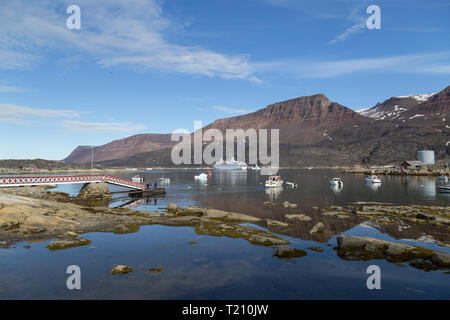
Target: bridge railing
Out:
[48,180]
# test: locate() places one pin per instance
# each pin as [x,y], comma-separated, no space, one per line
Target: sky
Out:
[151,66]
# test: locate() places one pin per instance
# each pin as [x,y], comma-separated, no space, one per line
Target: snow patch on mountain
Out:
[419,97]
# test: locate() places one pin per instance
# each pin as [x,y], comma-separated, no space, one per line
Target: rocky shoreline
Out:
[39,214]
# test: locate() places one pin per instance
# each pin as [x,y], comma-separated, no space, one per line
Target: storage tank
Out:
[426,156]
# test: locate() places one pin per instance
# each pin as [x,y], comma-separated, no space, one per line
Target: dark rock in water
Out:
[364,248]
[156,270]
[126,228]
[422,264]
[318,249]
[65,244]
[192,243]
[288,252]
[120,269]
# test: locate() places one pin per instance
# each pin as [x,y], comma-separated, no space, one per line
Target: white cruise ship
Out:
[230,165]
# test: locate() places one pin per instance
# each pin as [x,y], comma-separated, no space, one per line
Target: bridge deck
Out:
[52,180]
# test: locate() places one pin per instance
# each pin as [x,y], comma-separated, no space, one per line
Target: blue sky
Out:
[154,66]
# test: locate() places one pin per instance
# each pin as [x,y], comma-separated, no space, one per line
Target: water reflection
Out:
[336,189]
[274,193]
[230,178]
[373,186]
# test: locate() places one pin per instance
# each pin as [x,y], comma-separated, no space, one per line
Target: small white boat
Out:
[149,169]
[337,182]
[372,179]
[274,181]
[442,178]
[137,178]
[164,180]
[293,185]
[445,189]
[201,176]
[255,168]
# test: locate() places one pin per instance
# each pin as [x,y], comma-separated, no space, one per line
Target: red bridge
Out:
[52,180]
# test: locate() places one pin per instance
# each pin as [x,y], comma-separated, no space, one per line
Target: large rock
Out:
[288,252]
[65,244]
[266,240]
[275,223]
[364,248]
[298,217]
[319,227]
[120,269]
[95,191]
[228,216]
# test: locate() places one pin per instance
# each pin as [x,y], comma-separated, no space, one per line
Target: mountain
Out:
[317,132]
[304,120]
[122,148]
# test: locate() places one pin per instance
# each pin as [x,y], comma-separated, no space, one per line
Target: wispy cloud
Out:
[358,27]
[24,115]
[9,89]
[103,127]
[113,32]
[229,110]
[430,63]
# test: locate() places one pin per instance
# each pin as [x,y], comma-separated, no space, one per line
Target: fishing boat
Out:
[274,181]
[444,189]
[164,180]
[201,176]
[337,182]
[372,179]
[137,178]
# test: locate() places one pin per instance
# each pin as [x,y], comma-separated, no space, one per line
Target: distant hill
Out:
[316,132]
[120,149]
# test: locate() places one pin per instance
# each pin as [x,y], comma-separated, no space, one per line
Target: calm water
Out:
[225,268]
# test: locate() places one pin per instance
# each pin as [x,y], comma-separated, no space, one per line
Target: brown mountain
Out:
[317,132]
[304,120]
[120,149]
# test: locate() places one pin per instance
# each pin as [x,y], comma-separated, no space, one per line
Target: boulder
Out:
[65,244]
[266,240]
[319,227]
[120,269]
[298,217]
[441,259]
[126,228]
[288,252]
[95,191]
[275,223]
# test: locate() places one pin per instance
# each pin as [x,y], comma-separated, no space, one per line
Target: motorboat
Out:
[442,178]
[444,189]
[372,179]
[164,180]
[149,169]
[337,182]
[255,167]
[138,179]
[274,181]
[201,176]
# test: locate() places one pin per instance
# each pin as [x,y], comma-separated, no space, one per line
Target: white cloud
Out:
[113,32]
[102,127]
[229,110]
[358,27]
[23,115]
[9,89]
[430,63]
